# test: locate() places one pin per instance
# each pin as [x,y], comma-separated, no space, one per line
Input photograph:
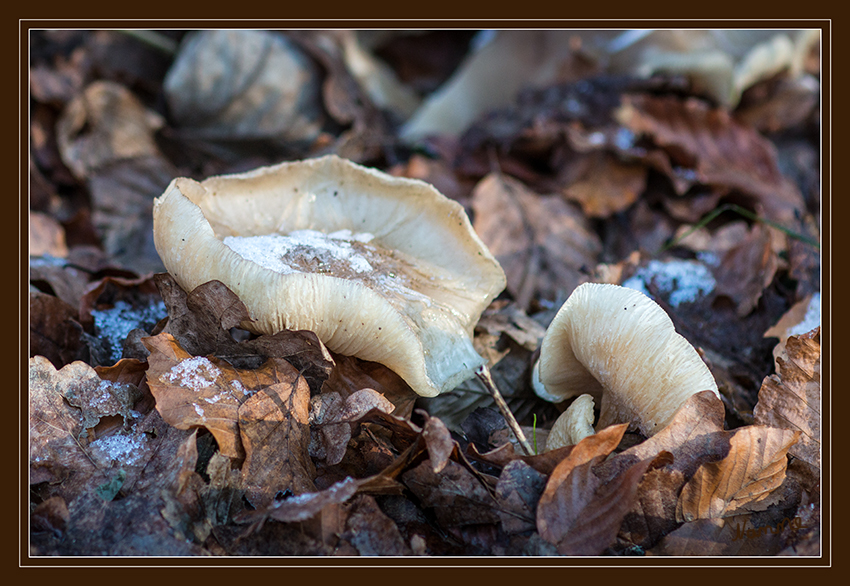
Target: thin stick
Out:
[483,374]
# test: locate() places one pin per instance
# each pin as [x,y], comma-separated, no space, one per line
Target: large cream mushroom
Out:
[621,348]
[382,268]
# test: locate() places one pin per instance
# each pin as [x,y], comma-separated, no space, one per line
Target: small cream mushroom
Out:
[620,347]
[383,268]
[574,424]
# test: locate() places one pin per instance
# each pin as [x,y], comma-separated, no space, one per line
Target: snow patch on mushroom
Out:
[272,251]
[683,280]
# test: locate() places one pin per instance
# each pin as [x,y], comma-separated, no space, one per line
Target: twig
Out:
[483,374]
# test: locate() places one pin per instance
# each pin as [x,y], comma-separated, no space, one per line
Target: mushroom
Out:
[383,268]
[573,425]
[620,347]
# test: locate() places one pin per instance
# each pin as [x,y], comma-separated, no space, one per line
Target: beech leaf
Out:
[792,398]
[744,479]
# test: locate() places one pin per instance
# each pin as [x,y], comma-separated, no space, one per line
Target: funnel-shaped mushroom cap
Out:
[620,347]
[382,268]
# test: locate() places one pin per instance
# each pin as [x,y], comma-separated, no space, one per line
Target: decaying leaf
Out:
[53,333]
[743,480]
[456,495]
[694,436]
[275,434]
[605,185]
[330,418]
[255,415]
[517,492]
[56,427]
[708,146]
[577,512]
[104,124]
[542,242]
[792,398]
[747,269]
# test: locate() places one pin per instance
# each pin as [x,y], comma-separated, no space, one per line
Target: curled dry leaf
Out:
[542,242]
[544,463]
[577,512]
[694,436]
[791,399]
[350,375]
[743,480]
[202,319]
[330,418]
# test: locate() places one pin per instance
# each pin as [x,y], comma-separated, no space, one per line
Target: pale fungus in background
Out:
[382,268]
[620,347]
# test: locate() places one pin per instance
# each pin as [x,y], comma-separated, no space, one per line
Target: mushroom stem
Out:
[483,374]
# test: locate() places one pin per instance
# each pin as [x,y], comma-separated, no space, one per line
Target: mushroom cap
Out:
[573,425]
[414,313]
[619,346]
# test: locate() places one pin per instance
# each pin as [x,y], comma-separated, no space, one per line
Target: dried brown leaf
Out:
[54,332]
[57,442]
[694,436]
[275,433]
[47,237]
[605,185]
[456,495]
[118,127]
[746,269]
[542,242]
[202,319]
[517,492]
[743,480]
[544,463]
[577,512]
[331,417]
[350,375]
[792,398]
[371,532]
[706,145]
